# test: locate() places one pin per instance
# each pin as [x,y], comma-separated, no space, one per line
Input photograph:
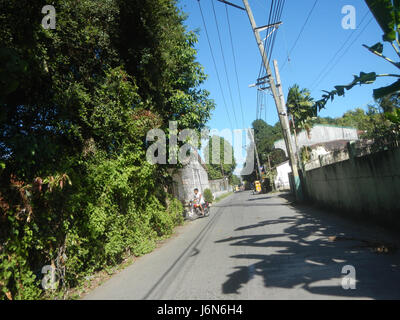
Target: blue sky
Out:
[321,39]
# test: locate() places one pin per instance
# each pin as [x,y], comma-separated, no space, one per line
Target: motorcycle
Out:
[195,209]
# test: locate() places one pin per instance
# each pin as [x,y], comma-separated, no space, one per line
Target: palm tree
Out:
[302,111]
[301,108]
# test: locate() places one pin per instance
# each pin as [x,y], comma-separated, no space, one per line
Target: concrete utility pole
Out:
[258,159]
[296,141]
[279,100]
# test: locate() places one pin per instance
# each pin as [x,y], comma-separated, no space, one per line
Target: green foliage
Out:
[225,195]
[223,167]
[235,180]
[356,118]
[208,196]
[305,154]
[265,136]
[175,210]
[12,68]
[76,191]
[386,13]
[363,78]
[384,131]
[301,107]
[390,105]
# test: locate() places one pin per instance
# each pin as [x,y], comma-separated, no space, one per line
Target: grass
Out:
[222,197]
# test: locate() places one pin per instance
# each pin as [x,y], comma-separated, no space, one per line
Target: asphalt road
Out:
[262,247]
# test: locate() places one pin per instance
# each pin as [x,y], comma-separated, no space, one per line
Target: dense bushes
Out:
[105,214]
[76,191]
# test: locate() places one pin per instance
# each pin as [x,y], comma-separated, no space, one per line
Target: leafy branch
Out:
[387,14]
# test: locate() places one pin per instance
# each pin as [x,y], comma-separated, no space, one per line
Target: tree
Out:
[235,180]
[265,136]
[75,106]
[381,129]
[225,164]
[355,118]
[300,107]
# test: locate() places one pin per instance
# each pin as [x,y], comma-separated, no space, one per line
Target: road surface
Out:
[262,247]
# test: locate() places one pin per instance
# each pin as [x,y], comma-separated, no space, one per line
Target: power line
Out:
[337,52]
[223,59]
[266,107]
[275,14]
[215,64]
[269,22]
[278,16]
[347,49]
[286,45]
[300,33]
[234,62]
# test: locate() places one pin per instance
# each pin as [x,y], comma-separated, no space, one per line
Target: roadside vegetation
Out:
[221,159]
[76,191]
[220,198]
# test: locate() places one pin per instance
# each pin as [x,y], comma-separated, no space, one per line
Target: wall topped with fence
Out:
[366,184]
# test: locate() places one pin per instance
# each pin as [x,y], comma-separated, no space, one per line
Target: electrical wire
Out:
[300,33]
[224,61]
[275,15]
[234,62]
[215,64]
[267,41]
[323,73]
[348,48]
[276,20]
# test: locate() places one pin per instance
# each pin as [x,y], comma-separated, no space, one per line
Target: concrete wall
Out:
[185,180]
[327,159]
[320,134]
[366,186]
[219,187]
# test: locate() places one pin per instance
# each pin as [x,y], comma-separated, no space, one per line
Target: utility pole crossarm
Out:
[275,25]
[232,4]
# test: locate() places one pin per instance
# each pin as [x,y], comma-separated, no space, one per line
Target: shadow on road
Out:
[258,199]
[309,252]
[245,205]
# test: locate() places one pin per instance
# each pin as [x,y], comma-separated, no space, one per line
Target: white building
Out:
[320,133]
[325,135]
[282,178]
